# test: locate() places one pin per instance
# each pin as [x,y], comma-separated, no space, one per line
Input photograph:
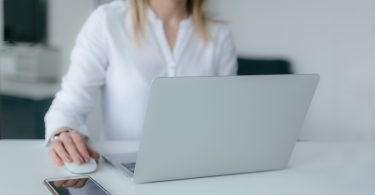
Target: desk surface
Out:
[315,168]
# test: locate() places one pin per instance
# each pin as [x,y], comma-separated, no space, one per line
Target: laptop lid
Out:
[207,126]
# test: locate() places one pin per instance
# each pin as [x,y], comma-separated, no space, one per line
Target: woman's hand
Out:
[71,147]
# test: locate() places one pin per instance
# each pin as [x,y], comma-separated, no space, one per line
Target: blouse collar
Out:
[153,18]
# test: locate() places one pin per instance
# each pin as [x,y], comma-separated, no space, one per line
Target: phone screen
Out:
[76,186]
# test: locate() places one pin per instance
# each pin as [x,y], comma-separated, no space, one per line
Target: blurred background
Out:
[334,38]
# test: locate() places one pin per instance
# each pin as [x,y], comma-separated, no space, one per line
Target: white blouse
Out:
[107,60]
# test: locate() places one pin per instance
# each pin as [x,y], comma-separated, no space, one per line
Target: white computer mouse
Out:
[89,167]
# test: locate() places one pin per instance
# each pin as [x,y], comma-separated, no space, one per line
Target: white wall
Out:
[335,38]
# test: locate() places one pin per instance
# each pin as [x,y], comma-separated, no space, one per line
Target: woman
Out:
[122,47]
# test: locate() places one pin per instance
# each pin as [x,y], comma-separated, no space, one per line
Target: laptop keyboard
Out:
[129,166]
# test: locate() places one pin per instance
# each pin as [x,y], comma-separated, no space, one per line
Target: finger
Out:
[60,150]
[56,159]
[94,154]
[81,145]
[71,148]
[58,183]
[71,182]
[64,184]
[80,183]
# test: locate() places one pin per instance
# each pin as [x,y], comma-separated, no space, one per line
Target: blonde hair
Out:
[195,9]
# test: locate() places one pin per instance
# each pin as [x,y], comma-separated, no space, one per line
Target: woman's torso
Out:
[132,66]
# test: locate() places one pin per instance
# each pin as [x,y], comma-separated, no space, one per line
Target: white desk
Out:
[315,168]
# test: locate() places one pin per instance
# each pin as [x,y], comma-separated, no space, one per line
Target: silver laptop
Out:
[209,126]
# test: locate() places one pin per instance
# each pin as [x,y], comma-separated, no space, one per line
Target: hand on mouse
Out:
[71,147]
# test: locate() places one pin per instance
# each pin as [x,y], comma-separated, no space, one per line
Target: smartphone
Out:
[80,185]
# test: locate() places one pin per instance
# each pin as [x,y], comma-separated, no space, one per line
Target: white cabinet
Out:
[29,63]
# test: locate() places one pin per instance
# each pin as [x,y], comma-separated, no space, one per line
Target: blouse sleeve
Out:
[85,77]
[226,54]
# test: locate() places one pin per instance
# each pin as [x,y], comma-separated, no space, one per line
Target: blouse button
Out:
[172,65]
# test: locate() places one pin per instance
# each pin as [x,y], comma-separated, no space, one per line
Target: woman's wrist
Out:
[58,131]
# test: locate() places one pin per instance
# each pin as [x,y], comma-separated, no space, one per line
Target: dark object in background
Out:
[248,66]
[25,21]
[22,118]
[1,120]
